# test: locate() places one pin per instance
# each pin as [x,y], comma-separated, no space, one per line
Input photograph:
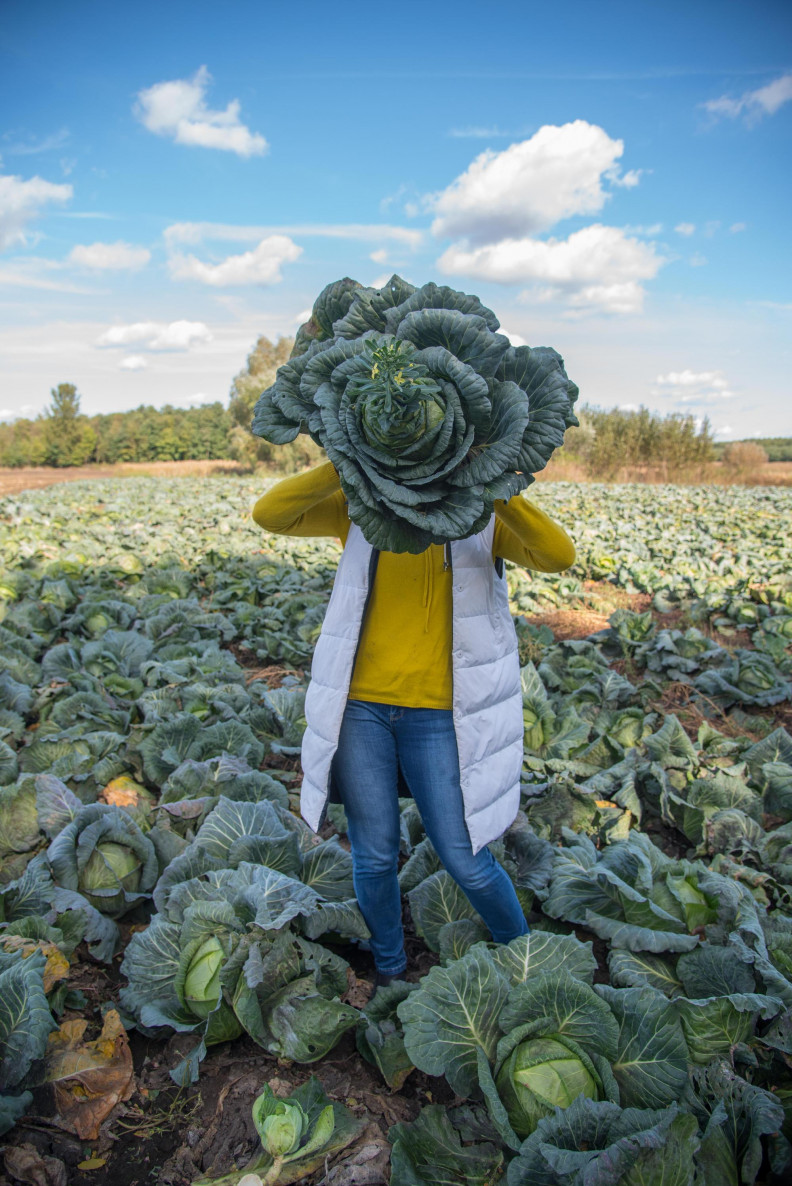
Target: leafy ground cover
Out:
[185,992]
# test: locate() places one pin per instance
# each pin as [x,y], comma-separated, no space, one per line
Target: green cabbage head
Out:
[696,908]
[281,1131]
[202,989]
[199,987]
[538,722]
[542,1074]
[102,854]
[428,413]
[294,1129]
[110,867]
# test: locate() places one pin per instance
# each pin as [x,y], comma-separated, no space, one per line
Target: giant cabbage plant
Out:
[427,412]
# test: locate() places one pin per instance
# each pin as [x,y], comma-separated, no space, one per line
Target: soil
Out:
[570,623]
[172,1136]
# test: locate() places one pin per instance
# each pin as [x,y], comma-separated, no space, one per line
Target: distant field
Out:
[716,473]
[12,481]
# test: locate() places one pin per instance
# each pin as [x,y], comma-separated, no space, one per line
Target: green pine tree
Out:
[70,438]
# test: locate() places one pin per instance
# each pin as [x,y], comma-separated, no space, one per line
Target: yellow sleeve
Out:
[312,503]
[530,538]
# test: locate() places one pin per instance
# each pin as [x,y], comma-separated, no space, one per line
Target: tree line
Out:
[608,441]
[62,436]
[604,443]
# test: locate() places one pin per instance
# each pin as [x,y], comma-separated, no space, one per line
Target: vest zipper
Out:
[372,572]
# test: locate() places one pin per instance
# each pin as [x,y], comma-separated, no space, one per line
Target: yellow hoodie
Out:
[404,656]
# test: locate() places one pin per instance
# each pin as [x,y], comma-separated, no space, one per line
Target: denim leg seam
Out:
[366,765]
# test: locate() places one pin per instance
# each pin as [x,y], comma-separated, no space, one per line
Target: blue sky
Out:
[611,178]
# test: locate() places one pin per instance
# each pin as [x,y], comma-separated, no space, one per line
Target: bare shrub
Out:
[743,455]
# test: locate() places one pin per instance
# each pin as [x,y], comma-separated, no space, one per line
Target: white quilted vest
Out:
[487,698]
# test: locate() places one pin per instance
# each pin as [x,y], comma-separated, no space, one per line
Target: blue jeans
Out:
[374,740]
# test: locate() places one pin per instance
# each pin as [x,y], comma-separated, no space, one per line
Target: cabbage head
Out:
[103,855]
[542,1074]
[281,1130]
[427,413]
[109,867]
[202,989]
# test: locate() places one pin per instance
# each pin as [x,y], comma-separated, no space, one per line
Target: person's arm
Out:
[529,537]
[307,504]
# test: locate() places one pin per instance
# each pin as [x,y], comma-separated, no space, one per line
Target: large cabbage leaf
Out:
[427,413]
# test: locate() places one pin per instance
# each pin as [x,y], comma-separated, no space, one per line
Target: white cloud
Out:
[199,398]
[177,109]
[706,396]
[33,274]
[693,387]
[262,265]
[133,362]
[379,257]
[515,339]
[117,256]
[598,267]
[766,100]
[529,186]
[8,413]
[655,228]
[685,228]
[21,201]
[194,233]
[736,227]
[155,335]
[629,180]
[87,214]
[726,430]
[411,202]
[482,132]
[698,260]
[56,140]
[396,196]
[688,378]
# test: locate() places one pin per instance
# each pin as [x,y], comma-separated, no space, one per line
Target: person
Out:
[415,684]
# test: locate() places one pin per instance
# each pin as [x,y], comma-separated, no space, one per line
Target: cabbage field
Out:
[185,991]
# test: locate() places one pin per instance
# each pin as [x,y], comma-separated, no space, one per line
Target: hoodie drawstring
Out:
[428,586]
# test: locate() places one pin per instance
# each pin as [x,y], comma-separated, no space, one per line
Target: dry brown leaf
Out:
[365,1163]
[25,1163]
[122,792]
[88,1079]
[359,991]
[56,967]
